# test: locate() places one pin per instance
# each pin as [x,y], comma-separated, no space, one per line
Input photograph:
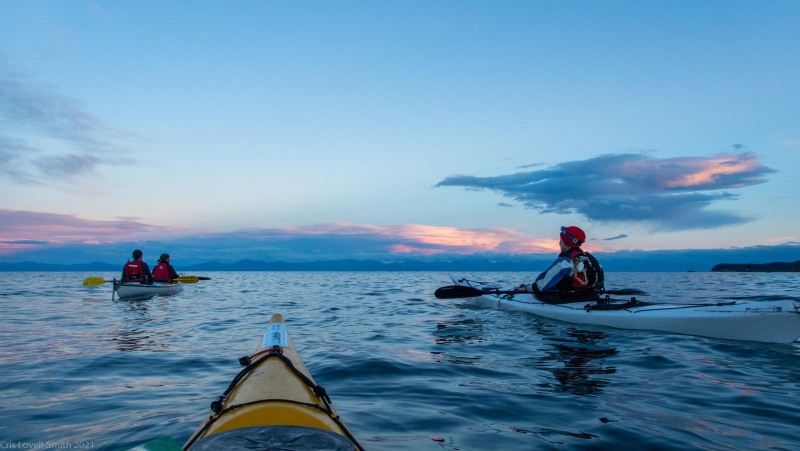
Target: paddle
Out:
[461,291]
[95,281]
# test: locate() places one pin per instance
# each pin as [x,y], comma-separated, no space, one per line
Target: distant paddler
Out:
[163,271]
[136,271]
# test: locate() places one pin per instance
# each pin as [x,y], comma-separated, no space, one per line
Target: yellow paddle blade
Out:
[94,281]
[187,279]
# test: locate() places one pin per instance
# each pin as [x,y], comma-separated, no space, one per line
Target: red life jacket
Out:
[134,272]
[161,272]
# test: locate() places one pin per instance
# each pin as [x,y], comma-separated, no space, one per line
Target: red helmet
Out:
[572,236]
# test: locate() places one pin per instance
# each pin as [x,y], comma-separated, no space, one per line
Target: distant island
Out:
[758,267]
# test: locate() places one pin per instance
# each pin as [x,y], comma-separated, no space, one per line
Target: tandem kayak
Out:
[273,403]
[138,290]
[765,321]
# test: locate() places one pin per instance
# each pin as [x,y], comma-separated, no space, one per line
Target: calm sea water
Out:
[404,369]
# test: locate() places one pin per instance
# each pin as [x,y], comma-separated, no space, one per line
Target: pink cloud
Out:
[21,230]
[58,228]
[451,239]
[699,172]
[430,240]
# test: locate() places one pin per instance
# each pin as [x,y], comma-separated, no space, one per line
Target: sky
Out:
[383,129]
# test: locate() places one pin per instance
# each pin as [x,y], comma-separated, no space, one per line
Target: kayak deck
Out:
[773,321]
[273,401]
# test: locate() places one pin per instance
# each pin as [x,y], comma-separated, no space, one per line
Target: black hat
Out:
[163,258]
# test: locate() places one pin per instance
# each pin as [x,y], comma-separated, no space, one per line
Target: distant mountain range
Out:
[621,261]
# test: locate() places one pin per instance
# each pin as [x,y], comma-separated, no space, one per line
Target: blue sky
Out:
[422,127]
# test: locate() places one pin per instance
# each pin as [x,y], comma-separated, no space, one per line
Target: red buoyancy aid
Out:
[134,272]
[161,272]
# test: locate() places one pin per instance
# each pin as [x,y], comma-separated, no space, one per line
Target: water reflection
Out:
[461,331]
[578,362]
[138,328]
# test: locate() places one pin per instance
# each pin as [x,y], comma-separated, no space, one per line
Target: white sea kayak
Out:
[138,290]
[765,321]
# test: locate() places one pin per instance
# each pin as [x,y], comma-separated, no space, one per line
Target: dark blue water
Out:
[404,369]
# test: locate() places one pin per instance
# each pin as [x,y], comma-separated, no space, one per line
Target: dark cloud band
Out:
[670,194]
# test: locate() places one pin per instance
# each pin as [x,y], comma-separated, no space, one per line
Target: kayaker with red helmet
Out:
[575,272]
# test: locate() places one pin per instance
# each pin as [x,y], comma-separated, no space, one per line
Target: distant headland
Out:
[758,267]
